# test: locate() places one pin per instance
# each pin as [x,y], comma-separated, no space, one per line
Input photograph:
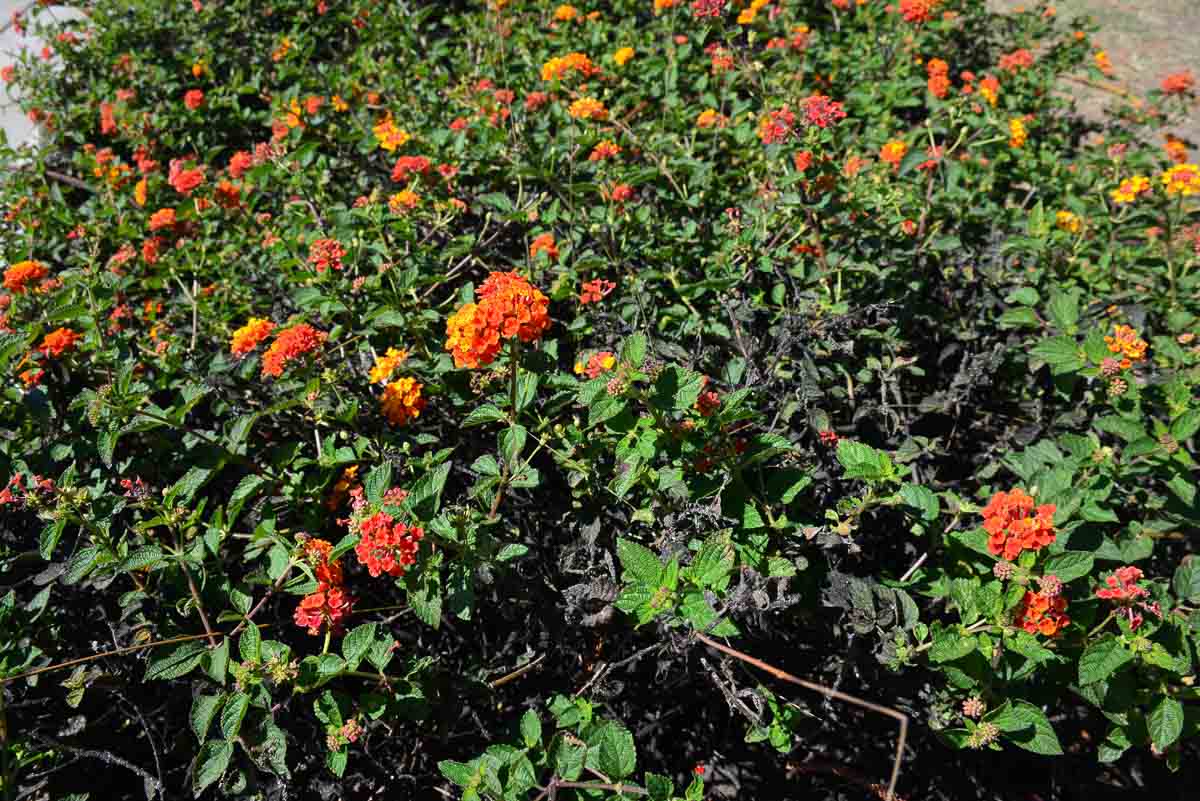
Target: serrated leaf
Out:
[633,350]
[250,643]
[1165,722]
[531,729]
[211,764]
[1061,353]
[1101,659]
[921,498]
[204,709]
[460,773]
[233,714]
[377,482]
[178,663]
[356,644]
[1039,737]
[1069,565]
[482,415]
[615,756]
[639,562]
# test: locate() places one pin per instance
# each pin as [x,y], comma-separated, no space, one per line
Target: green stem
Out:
[325,646]
[506,470]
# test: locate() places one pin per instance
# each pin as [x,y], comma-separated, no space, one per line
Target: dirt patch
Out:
[1145,40]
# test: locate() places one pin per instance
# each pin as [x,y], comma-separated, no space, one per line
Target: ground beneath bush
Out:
[1144,39]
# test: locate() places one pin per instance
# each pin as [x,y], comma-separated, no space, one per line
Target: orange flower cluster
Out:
[918,11]
[326,254]
[559,67]
[1178,83]
[401,401]
[597,363]
[250,335]
[1126,342]
[509,307]
[1018,135]
[1042,613]
[595,291]
[19,277]
[989,87]
[389,135]
[386,364]
[939,77]
[588,108]
[290,344]
[341,488]
[59,341]
[543,243]
[183,180]
[330,604]
[605,149]
[1013,525]
[1016,61]
[893,152]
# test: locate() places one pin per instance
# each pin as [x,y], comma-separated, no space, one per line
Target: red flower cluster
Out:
[1122,585]
[386,546]
[17,493]
[776,126]
[1016,61]
[1042,613]
[1013,526]
[595,291]
[711,9]
[193,99]
[408,165]
[544,243]
[330,604]
[1178,83]
[326,254]
[709,400]
[239,162]
[184,181]
[823,112]
[290,344]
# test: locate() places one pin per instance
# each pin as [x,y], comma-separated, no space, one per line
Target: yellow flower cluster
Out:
[1130,189]
[559,66]
[751,11]
[1017,133]
[386,364]
[1183,179]
[588,108]
[389,135]
[401,401]
[623,55]
[1068,221]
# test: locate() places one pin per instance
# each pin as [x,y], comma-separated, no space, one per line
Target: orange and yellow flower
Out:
[401,401]
[622,56]
[59,341]
[559,67]
[386,365]
[1068,221]
[1130,189]
[389,135]
[893,152]
[1182,179]
[1018,135]
[1126,343]
[588,108]
[20,277]
[250,335]
[508,307]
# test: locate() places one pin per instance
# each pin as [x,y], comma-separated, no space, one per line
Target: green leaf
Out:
[531,729]
[1069,565]
[244,491]
[639,562]
[50,537]
[921,498]
[482,415]
[659,788]
[1039,737]
[216,661]
[460,773]
[950,645]
[1064,310]
[1061,353]
[233,714]
[178,663]
[864,462]
[633,351]
[211,764]
[713,562]
[1101,659]
[1026,296]
[356,644]
[377,482]
[142,558]
[1186,425]
[250,643]
[616,757]
[676,389]
[1186,581]
[1165,722]
[204,708]
[336,761]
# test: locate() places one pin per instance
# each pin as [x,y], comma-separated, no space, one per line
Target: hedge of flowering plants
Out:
[517,400]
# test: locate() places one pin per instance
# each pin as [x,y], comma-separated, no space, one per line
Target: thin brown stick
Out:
[828,692]
[516,674]
[208,629]
[613,788]
[115,652]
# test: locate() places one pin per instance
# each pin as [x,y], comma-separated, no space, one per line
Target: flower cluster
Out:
[543,243]
[776,126]
[559,67]
[604,150]
[821,111]
[597,364]
[595,291]
[939,78]
[1126,343]
[401,401]
[1042,613]
[918,11]
[1068,221]
[250,335]
[19,277]
[1131,189]
[1182,179]
[508,307]
[330,604]
[289,345]
[1122,587]
[1014,526]
[893,152]
[1017,133]
[59,341]
[389,135]
[386,546]
[409,165]
[326,254]
[386,365]
[588,108]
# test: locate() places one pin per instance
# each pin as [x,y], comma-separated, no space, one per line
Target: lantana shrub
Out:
[520,400]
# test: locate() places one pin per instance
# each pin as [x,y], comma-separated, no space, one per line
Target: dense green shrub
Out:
[410,392]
